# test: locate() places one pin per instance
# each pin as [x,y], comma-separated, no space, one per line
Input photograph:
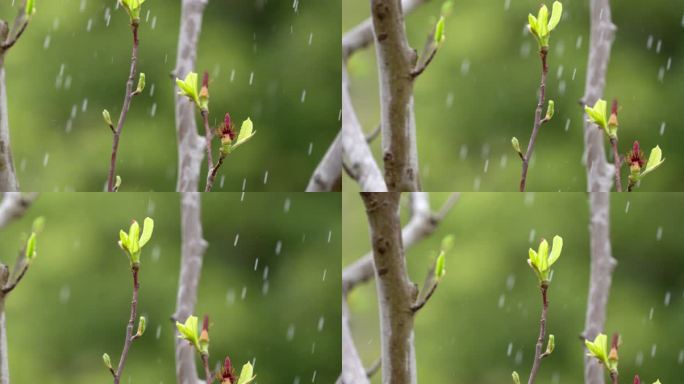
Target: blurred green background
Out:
[483,320]
[73,62]
[269,282]
[481,90]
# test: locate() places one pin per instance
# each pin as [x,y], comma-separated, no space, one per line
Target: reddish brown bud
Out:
[614,107]
[227,373]
[204,336]
[226,130]
[637,380]
[636,156]
[205,79]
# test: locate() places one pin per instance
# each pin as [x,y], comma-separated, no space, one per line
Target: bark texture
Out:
[192,253]
[328,174]
[599,179]
[190,143]
[396,292]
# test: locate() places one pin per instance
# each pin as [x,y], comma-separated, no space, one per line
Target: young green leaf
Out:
[543,254]
[246,133]
[246,374]
[188,87]
[516,377]
[556,13]
[189,331]
[543,21]
[533,24]
[551,345]
[107,117]
[31,247]
[655,159]
[439,31]
[38,224]
[141,326]
[447,243]
[556,249]
[148,228]
[141,84]
[107,361]
[550,110]
[117,183]
[597,113]
[123,240]
[134,239]
[30,7]
[598,348]
[516,144]
[439,266]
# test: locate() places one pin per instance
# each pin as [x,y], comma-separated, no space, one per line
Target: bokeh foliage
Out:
[73,304]
[481,90]
[483,320]
[70,65]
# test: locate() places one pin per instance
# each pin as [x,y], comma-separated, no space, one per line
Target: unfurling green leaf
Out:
[31,247]
[189,331]
[117,183]
[148,228]
[132,242]
[447,8]
[550,110]
[597,114]
[246,133]
[516,145]
[598,348]
[516,377]
[30,7]
[107,117]
[107,361]
[556,13]
[543,21]
[447,243]
[556,249]
[141,84]
[655,159]
[132,7]
[541,261]
[439,31]
[188,87]
[246,374]
[551,345]
[141,326]
[439,266]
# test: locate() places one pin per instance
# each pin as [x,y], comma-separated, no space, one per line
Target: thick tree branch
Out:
[423,222]
[355,148]
[600,278]
[190,143]
[352,367]
[599,179]
[396,293]
[361,36]
[328,174]
[126,106]
[193,246]
[396,61]
[8,176]
[599,171]
[14,206]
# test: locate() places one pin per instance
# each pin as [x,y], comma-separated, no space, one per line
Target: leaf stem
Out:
[542,334]
[543,52]
[131,324]
[126,106]
[211,177]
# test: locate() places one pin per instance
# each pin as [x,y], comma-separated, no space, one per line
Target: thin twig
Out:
[537,118]
[373,369]
[208,136]
[211,177]
[9,43]
[10,286]
[616,155]
[131,323]
[126,106]
[421,303]
[542,334]
[422,65]
[207,371]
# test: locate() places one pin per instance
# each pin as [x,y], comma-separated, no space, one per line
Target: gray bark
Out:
[193,246]
[190,143]
[328,174]
[599,182]
[353,371]
[396,61]
[4,360]
[14,206]
[362,165]
[396,292]
[8,176]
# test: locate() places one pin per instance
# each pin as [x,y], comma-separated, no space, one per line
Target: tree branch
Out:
[14,206]
[543,52]
[542,334]
[193,246]
[354,146]
[395,64]
[599,172]
[328,174]
[616,159]
[423,222]
[396,293]
[352,367]
[600,278]
[190,144]
[131,324]
[126,106]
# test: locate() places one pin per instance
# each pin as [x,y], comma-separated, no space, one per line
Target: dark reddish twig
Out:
[212,173]
[131,323]
[126,106]
[614,356]
[618,164]
[9,43]
[543,52]
[542,334]
[204,337]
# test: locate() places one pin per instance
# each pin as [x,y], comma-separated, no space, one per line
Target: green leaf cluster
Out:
[541,260]
[133,241]
[541,26]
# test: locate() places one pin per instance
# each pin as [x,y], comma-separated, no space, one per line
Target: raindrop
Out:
[668,296]
[64,294]
[265,274]
[251,78]
[669,63]
[507,5]
[153,109]
[662,128]
[659,233]
[46,42]
[310,150]
[650,314]
[89,27]
[310,38]
[639,360]
[510,282]
[486,165]
[153,25]
[574,72]
[290,332]
[243,294]
[278,247]
[518,357]
[157,335]
[232,75]
[463,152]
[465,67]
[578,43]
[653,350]
[661,74]
[230,296]
[504,161]
[680,358]
[450,100]
[84,105]
[509,350]
[46,158]
[82,7]
[627,207]
[286,206]
[265,177]
[325,273]
[244,183]
[256,263]
[649,42]
[156,253]
[533,233]
[329,236]
[265,287]
[502,300]
[321,323]
[303,97]
[659,45]
[567,125]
